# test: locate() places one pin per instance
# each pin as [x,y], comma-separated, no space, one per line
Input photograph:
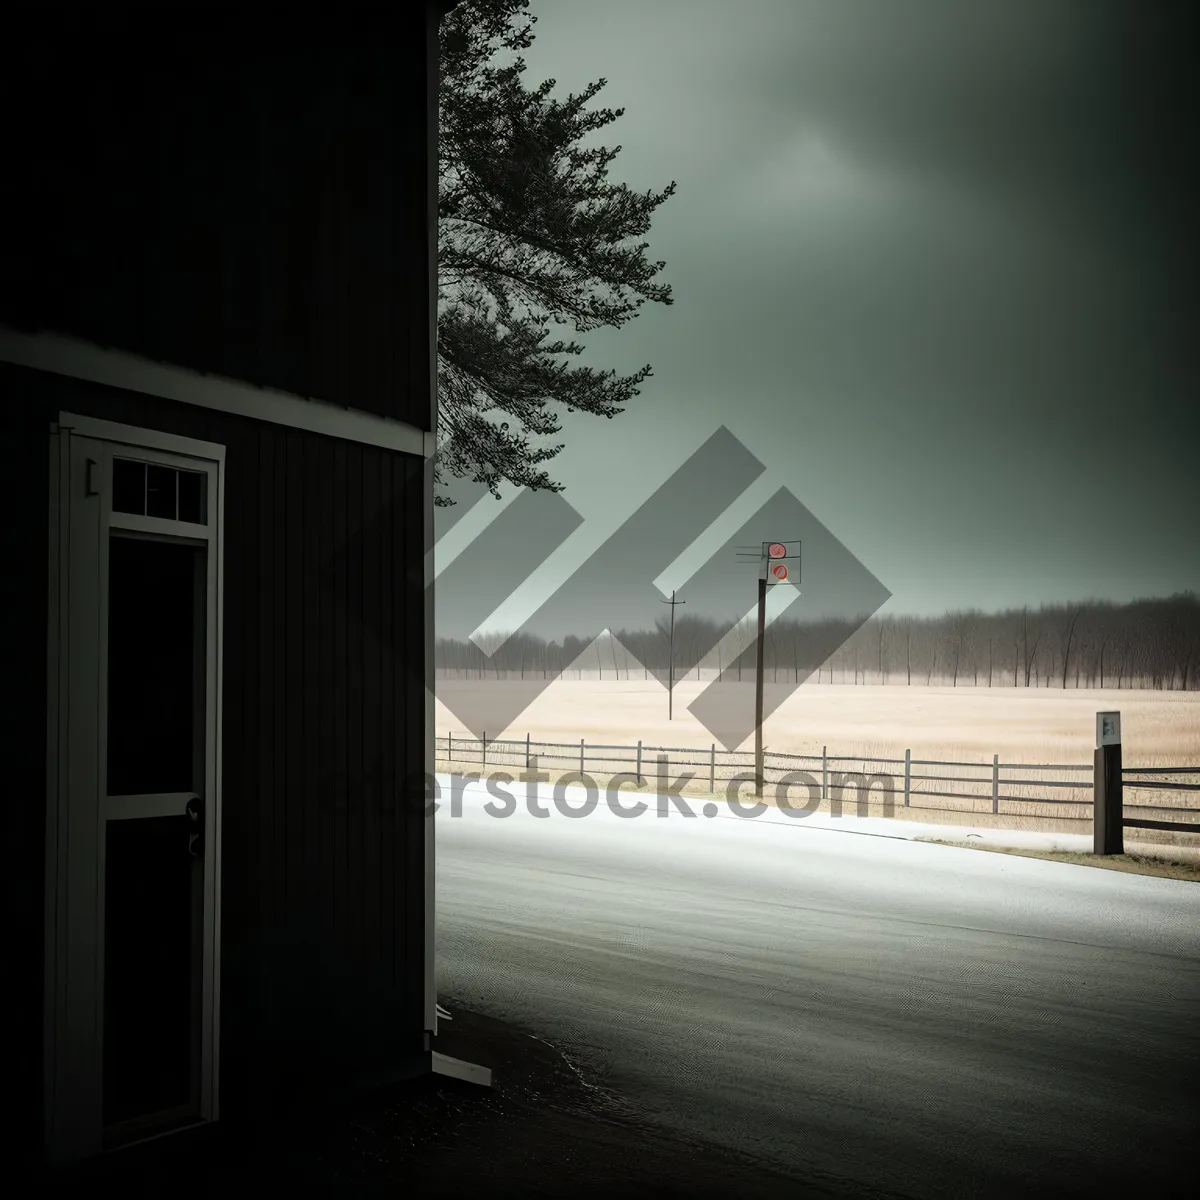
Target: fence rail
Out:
[1159,784]
[992,788]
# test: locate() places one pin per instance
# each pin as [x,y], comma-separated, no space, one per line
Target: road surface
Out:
[872,1014]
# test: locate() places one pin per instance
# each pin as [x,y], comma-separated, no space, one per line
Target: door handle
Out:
[195,816]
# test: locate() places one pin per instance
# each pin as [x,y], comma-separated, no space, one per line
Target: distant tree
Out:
[959,623]
[1105,642]
[1029,652]
[741,637]
[1184,638]
[532,234]
[1071,620]
[1145,643]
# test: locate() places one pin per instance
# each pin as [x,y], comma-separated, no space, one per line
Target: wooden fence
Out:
[1054,791]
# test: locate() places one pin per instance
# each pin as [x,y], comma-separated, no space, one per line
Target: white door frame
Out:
[81,516]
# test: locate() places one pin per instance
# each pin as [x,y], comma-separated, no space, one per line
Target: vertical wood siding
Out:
[239,198]
[323,876]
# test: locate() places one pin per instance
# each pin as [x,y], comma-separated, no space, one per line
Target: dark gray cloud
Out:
[1066,113]
[933,263]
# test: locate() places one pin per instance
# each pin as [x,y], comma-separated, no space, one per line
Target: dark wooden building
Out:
[217,413]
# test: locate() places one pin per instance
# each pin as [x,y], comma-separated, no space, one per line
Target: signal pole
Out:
[671,655]
[758,683]
[770,570]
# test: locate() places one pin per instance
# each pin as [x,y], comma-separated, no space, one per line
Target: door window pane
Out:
[150,490]
[129,486]
[160,492]
[155,666]
[191,496]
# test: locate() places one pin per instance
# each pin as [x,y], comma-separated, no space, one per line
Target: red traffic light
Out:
[776,550]
[780,572]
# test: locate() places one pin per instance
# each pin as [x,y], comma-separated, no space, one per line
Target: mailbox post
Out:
[1108,804]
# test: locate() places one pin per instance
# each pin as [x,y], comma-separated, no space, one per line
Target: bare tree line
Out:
[1091,644]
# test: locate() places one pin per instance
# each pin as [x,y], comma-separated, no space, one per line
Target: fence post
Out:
[527,752]
[712,768]
[483,745]
[581,756]
[824,773]
[995,783]
[639,763]
[907,775]
[1108,836]
[449,746]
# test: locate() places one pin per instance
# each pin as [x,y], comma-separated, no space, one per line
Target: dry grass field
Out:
[1035,725]
[963,724]
[1165,867]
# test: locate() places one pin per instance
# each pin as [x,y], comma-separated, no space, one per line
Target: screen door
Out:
[137,793]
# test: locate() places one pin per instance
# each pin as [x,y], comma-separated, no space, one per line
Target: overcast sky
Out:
[932,266]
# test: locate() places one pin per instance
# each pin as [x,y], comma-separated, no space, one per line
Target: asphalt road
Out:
[873,1015]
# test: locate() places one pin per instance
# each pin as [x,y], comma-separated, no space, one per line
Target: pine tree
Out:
[532,234]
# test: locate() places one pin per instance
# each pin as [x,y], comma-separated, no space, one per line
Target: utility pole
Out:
[671,655]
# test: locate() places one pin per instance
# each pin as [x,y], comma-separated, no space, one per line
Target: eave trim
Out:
[62,355]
